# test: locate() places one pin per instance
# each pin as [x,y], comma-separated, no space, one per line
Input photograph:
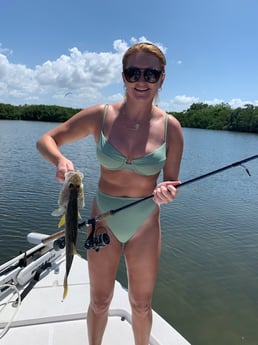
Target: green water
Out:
[208,278]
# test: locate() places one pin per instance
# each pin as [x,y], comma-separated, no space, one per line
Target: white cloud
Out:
[83,73]
[17,80]
[182,102]
[5,51]
[120,46]
[214,101]
[115,98]
[144,39]
[88,76]
[237,102]
[86,73]
[179,103]
[80,69]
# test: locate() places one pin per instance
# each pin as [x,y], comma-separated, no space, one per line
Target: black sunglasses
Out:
[150,75]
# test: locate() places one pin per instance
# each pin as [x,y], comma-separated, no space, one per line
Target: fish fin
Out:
[58,212]
[65,287]
[61,221]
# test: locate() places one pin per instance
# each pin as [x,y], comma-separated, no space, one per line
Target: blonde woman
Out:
[135,142]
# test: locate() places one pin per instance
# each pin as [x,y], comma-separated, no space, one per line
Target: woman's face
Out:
[141,89]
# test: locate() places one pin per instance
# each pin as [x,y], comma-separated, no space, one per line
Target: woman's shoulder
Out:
[90,116]
[99,109]
[174,130]
[92,110]
[172,121]
[86,121]
[91,119]
[113,107]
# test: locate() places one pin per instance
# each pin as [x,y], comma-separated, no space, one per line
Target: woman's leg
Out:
[102,272]
[142,253]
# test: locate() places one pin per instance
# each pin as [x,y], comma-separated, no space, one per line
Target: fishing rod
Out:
[92,222]
[97,241]
[232,165]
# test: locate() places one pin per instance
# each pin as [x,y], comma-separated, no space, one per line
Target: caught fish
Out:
[74,177]
[70,199]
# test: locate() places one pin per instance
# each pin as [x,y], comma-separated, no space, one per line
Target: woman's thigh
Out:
[142,254]
[103,264]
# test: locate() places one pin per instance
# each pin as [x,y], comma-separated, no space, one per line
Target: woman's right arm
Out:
[84,123]
[50,151]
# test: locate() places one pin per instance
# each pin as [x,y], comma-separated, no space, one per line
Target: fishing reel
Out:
[59,243]
[96,241]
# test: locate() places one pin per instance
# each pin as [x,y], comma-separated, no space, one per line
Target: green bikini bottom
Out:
[124,223]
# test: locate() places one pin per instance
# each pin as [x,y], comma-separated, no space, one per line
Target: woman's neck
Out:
[137,111]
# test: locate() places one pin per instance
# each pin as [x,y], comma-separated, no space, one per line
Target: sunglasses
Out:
[133,74]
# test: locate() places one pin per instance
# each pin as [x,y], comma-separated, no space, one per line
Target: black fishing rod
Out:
[195,179]
[95,242]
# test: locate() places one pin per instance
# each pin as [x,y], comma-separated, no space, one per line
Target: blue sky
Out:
[69,52]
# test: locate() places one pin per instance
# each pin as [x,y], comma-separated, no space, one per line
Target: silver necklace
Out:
[134,126]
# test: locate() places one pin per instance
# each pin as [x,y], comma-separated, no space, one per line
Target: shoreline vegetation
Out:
[199,115]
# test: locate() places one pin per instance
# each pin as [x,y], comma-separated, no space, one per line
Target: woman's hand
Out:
[62,167]
[165,192]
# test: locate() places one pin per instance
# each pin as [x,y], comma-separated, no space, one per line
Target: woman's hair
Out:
[145,47]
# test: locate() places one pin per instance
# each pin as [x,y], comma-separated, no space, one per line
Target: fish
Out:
[70,199]
[74,177]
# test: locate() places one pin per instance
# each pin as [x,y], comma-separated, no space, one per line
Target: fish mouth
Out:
[74,185]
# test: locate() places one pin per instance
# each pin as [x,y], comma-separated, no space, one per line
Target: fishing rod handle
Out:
[98,218]
[53,237]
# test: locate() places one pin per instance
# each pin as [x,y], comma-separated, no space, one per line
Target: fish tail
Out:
[65,287]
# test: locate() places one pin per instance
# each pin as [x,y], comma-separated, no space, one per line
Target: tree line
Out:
[220,117]
[41,112]
[199,115]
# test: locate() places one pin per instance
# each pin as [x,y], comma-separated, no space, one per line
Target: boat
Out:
[32,311]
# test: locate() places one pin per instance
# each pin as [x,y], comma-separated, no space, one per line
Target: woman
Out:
[135,141]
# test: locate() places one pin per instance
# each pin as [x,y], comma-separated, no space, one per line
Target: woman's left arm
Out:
[166,191]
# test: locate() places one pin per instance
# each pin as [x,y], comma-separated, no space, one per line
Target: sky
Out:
[69,52]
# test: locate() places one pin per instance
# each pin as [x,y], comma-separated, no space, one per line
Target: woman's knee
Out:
[140,306]
[100,303]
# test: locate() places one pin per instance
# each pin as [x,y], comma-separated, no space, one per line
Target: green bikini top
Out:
[112,159]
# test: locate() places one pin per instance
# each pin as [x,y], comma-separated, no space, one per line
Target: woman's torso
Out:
[131,158]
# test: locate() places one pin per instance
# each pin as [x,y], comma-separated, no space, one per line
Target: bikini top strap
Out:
[104,116]
[166,128]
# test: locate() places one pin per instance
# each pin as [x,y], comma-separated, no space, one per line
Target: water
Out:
[208,278]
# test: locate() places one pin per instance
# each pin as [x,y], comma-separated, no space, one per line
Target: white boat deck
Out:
[43,319]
